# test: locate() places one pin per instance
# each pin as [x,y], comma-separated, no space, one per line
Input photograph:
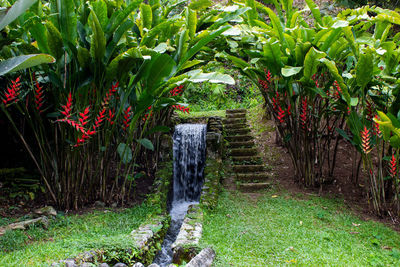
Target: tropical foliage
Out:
[102,104]
[326,79]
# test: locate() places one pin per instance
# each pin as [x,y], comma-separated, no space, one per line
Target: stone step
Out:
[244,152]
[235,115]
[239,138]
[250,160]
[233,132]
[236,126]
[243,144]
[239,110]
[234,121]
[260,177]
[249,187]
[248,168]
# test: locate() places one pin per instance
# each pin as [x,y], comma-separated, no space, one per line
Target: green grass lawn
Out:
[199,114]
[70,235]
[279,229]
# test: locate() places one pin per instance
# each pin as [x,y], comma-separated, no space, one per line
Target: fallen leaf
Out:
[356,224]
[387,248]
[301,222]
[228,215]
[354,233]
[274,196]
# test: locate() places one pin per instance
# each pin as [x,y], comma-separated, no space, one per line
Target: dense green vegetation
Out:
[276,228]
[71,235]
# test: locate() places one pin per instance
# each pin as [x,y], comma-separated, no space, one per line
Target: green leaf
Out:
[68,20]
[288,71]
[191,22]
[315,11]
[200,4]
[311,62]
[54,40]
[125,153]
[17,9]
[277,26]
[364,68]
[156,129]
[122,15]
[100,8]
[98,42]
[160,68]
[146,143]
[146,16]
[197,76]
[201,43]
[24,62]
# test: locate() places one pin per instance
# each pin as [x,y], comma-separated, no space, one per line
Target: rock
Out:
[114,205]
[104,265]
[70,263]
[153,265]
[120,264]
[204,259]
[138,264]
[99,204]
[47,210]
[22,225]
[86,264]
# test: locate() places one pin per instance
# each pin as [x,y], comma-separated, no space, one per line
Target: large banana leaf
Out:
[200,44]
[14,12]
[98,43]
[120,16]
[311,62]
[364,68]
[23,62]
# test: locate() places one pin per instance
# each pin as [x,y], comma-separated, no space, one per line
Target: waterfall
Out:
[189,150]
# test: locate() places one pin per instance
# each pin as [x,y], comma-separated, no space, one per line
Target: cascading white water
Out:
[189,151]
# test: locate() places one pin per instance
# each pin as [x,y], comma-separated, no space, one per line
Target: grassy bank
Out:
[68,236]
[279,229]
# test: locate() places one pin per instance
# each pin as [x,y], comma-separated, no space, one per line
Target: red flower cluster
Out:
[265,84]
[109,94]
[39,97]
[12,92]
[177,91]
[181,108]
[111,116]
[370,110]
[84,116]
[127,117]
[393,167]
[366,140]
[338,89]
[377,130]
[67,107]
[303,115]
[148,115]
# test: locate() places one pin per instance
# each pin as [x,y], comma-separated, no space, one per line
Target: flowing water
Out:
[189,151]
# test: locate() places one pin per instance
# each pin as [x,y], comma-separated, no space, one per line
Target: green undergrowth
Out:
[200,114]
[278,229]
[68,236]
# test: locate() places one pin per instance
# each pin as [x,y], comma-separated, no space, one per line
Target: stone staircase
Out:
[248,166]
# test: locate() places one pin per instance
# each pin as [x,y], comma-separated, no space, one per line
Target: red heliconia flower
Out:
[99,119]
[281,115]
[74,124]
[111,115]
[12,92]
[375,125]
[84,116]
[303,115]
[109,94]
[39,97]
[127,117]
[177,91]
[393,166]
[366,140]
[269,76]
[81,140]
[288,109]
[67,107]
